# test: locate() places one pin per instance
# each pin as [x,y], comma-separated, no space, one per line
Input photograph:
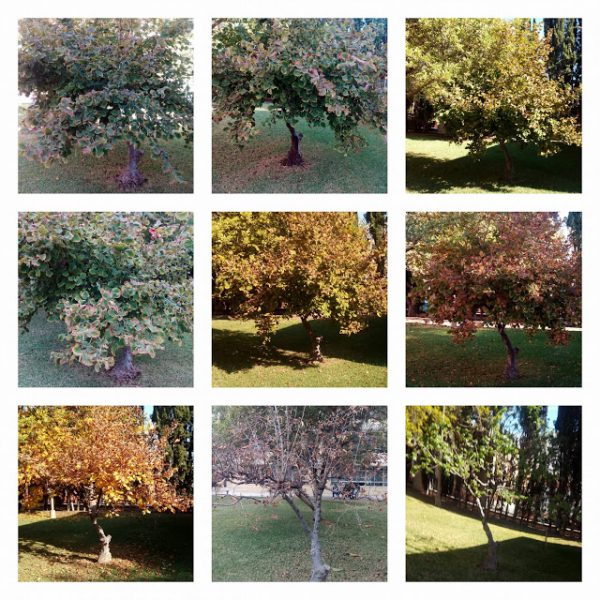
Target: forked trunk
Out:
[124,369]
[315,341]
[319,571]
[511,371]
[104,557]
[509,170]
[93,501]
[490,562]
[131,177]
[294,158]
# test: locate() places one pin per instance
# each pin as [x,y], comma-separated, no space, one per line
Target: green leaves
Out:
[95,82]
[115,279]
[323,70]
[487,80]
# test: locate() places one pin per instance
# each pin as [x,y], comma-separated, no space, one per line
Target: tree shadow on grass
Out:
[558,173]
[73,534]
[519,559]
[156,540]
[235,351]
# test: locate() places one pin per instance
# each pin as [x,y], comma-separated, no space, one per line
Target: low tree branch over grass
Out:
[293,451]
[95,82]
[325,71]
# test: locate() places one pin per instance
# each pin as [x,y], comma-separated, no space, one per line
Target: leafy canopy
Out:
[326,71]
[514,268]
[488,82]
[97,451]
[114,279]
[268,266]
[95,82]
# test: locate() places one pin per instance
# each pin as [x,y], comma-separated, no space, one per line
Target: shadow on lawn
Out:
[427,174]
[148,540]
[234,351]
[519,559]
[73,533]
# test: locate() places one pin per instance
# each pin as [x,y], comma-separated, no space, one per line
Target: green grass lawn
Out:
[257,167]
[359,360]
[87,174]
[433,359]
[155,547]
[447,545]
[258,542]
[433,165]
[172,367]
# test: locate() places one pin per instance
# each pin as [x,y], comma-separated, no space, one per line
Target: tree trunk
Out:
[438,486]
[509,170]
[104,557]
[93,501]
[491,560]
[131,177]
[511,371]
[124,369]
[320,570]
[52,510]
[315,341]
[294,158]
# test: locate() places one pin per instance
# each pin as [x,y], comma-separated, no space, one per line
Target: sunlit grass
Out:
[358,360]
[258,542]
[434,165]
[446,545]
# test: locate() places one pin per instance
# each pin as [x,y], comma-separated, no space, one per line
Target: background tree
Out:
[378,230]
[269,266]
[325,71]
[293,451]
[120,282]
[565,60]
[96,82]
[175,424]
[470,443]
[500,269]
[566,496]
[108,456]
[487,80]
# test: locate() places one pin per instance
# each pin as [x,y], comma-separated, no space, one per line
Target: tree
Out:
[497,269]
[293,451]
[120,282]
[487,80]
[325,71]
[176,425]
[468,442]
[377,224]
[272,266]
[565,37]
[96,82]
[108,457]
[568,465]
